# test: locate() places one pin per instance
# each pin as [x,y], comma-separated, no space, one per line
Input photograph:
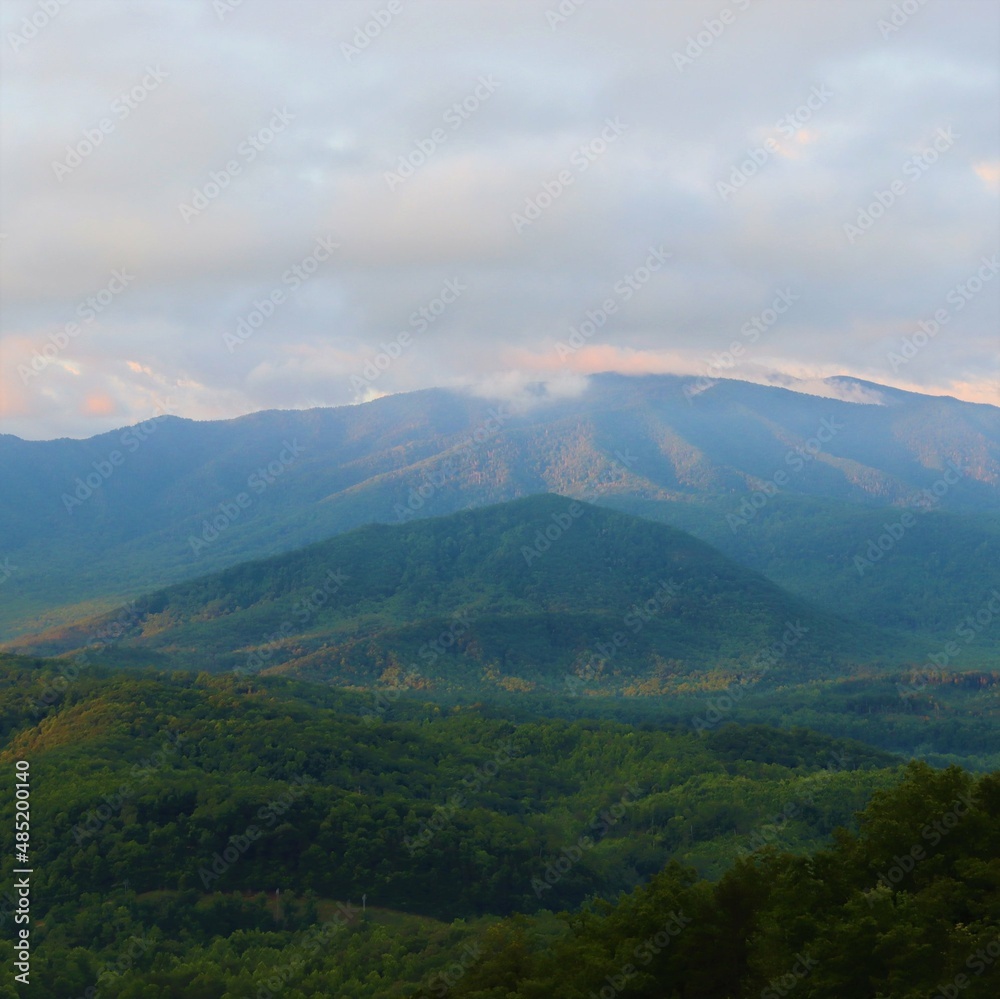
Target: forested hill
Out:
[167,805]
[906,908]
[523,595]
[175,807]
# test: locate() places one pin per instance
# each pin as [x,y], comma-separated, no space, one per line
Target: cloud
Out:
[100,404]
[523,391]
[989,174]
[415,154]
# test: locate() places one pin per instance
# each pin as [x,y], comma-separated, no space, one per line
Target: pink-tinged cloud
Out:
[99,404]
[597,358]
[989,174]
[594,358]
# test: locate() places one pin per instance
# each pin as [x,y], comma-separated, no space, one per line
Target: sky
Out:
[213,207]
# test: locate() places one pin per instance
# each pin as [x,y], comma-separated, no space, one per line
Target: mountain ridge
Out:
[635,438]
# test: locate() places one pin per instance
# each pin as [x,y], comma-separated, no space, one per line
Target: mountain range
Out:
[475,661]
[879,505]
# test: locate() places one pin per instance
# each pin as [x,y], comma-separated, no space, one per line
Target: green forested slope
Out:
[210,836]
[907,907]
[924,571]
[172,801]
[527,591]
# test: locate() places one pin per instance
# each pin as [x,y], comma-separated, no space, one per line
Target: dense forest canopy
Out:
[239,823]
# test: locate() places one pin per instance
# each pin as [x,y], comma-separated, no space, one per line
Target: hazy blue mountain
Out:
[86,523]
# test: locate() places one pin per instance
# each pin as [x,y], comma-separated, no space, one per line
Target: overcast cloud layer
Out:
[675,169]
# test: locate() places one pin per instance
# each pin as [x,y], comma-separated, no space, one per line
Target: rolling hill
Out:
[542,591]
[173,806]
